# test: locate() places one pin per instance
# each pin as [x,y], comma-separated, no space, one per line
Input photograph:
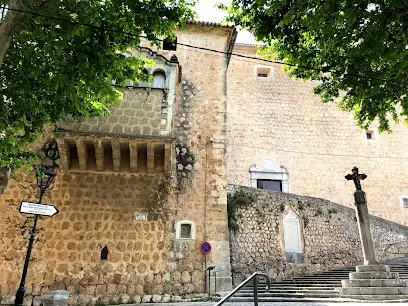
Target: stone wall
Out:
[146,261]
[329,236]
[140,113]
[282,120]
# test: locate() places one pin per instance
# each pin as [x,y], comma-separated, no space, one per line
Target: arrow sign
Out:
[38,209]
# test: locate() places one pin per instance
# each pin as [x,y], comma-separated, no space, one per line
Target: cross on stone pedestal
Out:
[356,177]
[363,217]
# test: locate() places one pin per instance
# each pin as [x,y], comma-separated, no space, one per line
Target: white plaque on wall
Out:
[141,217]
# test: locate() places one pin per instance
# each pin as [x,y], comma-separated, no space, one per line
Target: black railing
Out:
[254,278]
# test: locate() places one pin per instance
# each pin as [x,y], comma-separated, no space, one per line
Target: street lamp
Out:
[44,180]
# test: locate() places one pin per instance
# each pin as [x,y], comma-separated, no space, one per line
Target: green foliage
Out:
[282,207]
[356,50]
[234,201]
[55,69]
[332,211]
[305,221]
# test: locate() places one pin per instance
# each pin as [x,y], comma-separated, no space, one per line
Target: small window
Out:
[185,230]
[159,80]
[404,201]
[263,72]
[273,185]
[104,253]
[370,134]
[170,45]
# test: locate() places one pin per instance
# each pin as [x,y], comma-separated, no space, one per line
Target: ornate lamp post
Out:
[44,180]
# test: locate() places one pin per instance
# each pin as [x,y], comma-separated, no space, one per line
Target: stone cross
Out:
[363,218]
[356,177]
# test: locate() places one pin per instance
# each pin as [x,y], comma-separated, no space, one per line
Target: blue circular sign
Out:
[205,247]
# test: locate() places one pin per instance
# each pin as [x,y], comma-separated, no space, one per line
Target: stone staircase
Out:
[324,287]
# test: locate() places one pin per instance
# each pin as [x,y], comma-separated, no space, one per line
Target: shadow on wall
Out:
[287,235]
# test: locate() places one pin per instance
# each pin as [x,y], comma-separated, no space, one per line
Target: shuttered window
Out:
[159,80]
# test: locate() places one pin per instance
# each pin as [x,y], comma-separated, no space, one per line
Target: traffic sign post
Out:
[205,247]
[44,180]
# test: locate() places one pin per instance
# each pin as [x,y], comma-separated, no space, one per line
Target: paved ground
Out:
[271,304]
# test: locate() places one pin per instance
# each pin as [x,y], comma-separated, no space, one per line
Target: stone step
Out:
[374,291]
[374,283]
[372,268]
[239,301]
[373,275]
[278,290]
[324,277]
[377,297]
[307,284]
[265,296]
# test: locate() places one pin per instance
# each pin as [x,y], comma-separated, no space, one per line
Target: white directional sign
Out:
[38,209]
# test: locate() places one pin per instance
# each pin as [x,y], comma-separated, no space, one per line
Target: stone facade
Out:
[107,201]
[280,119]
[140,190]
[329,236]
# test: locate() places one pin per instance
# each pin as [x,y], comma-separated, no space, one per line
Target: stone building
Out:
[140,190]
[282,136]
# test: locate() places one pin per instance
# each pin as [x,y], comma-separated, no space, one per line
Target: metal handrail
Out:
[252,277]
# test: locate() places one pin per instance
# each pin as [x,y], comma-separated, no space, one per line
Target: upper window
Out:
[159,80]
[370,134]
[263,72]
[273,185]
[269,177]
[404,201]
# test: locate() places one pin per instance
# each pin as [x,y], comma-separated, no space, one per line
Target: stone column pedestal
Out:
[374,282]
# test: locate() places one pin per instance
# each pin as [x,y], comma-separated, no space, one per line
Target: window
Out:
[404,201]
[273,185]
[159,80]
[170,45]
[104,253]
[269,177]
[370,134]
[185,229]
[263,72]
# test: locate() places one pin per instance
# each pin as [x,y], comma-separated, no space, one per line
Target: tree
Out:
[59,59]
[357,50]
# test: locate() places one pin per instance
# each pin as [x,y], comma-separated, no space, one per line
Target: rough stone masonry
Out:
[329,236]
[127,185]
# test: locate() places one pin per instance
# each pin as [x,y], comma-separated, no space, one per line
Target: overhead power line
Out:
[77,23]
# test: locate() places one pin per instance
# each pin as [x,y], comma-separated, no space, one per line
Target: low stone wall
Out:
[329,236]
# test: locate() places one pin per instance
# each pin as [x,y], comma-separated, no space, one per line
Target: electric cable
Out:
[189,45]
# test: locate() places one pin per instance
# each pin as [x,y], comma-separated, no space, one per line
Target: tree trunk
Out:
[14,21]
[4,177]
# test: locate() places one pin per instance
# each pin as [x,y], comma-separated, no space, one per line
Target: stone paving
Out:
[273,304]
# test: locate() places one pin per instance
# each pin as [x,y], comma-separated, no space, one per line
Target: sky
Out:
[207,11]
